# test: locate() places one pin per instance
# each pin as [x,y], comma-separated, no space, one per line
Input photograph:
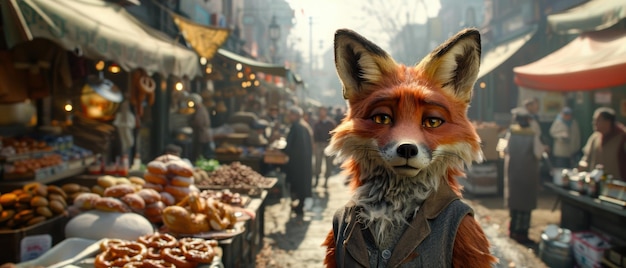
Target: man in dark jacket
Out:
[299,148]
[321,136]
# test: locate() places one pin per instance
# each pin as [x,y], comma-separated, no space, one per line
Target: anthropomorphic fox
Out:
[405,139]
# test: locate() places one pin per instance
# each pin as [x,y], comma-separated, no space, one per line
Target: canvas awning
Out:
[104,30]
[591,61]
[255,66]
[594,15]
[205,40]
[497,55]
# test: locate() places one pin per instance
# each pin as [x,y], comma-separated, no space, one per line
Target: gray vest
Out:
[435,250]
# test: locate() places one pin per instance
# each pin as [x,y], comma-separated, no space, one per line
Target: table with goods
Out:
[174,215]
[593,210]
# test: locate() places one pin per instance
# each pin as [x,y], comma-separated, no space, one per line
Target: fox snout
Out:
[407,158]
[407,150]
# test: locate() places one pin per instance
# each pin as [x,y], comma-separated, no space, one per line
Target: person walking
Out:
[299,148]
[202,134]
[566,135]
[521,171]
[606,145]
[321,136]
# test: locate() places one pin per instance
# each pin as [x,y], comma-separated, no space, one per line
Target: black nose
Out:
[407,150]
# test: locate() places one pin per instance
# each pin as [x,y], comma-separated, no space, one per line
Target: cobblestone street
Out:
[292,242]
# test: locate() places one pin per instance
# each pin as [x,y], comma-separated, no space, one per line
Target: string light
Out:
[178,86]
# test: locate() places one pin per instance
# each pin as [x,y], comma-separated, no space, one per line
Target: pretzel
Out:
[197,250]
[177,257]
[158,240]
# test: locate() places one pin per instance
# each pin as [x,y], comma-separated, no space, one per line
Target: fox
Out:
[404,141]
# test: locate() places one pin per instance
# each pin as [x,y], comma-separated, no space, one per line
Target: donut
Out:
[35,220]
[119,190]
[155,178]
[6,215]
[149,196]
[39,201]
[111,204]
[136,180]
[8,199]
[156,167]
[177,191]
[44,211]
[56,206]
[180,168]
[154,210]
[24,216]
[86,200]
[97,189]
[70,188]
[53,189]
[181,181]
[106,181]
[134,201]
[167,198]
[24,197]
[36,188]
[153,186]
[167,158]
[59,198]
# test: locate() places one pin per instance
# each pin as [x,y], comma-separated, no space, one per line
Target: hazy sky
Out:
[330,15]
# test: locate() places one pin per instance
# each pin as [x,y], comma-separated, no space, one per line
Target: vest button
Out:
[386,254]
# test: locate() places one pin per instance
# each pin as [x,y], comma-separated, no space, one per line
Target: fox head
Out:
[406,125]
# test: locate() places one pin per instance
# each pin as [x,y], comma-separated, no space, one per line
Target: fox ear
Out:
[454,64]
[360,63]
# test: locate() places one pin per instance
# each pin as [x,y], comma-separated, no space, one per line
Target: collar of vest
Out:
[418,230]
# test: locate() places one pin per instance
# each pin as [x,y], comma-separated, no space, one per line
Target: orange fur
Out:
[423,107]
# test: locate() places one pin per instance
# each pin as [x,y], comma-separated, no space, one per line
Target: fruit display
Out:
[156,250]
[31,204]
[197,214]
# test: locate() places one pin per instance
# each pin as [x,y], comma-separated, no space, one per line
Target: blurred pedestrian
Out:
[201,124]
[606,145]
[531,105]
[321,136]
[339,114]
[521,171]
[299,148]
[566,134]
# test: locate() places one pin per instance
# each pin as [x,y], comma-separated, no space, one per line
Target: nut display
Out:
[236,175]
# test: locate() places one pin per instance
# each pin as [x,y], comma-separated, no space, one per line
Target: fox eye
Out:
[383,119]
[432,122]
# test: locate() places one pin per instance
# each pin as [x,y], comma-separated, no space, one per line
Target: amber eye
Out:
[432,122]
[383,119]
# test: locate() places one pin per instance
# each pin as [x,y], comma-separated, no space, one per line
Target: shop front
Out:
[585,74]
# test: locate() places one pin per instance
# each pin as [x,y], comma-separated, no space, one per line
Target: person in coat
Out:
[606,145]
[202,133]
[566,135]
[521,171]
[299,148]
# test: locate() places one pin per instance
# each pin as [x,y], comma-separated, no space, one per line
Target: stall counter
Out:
[581,213]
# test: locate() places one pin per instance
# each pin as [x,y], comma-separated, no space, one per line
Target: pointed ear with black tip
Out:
[454,64]
[360,63]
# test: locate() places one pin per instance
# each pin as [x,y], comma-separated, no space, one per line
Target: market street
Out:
[298,243]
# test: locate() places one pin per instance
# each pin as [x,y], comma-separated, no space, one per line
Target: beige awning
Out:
[594,15]
[255,66]
[104,30]
[494,57]
[204,39]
